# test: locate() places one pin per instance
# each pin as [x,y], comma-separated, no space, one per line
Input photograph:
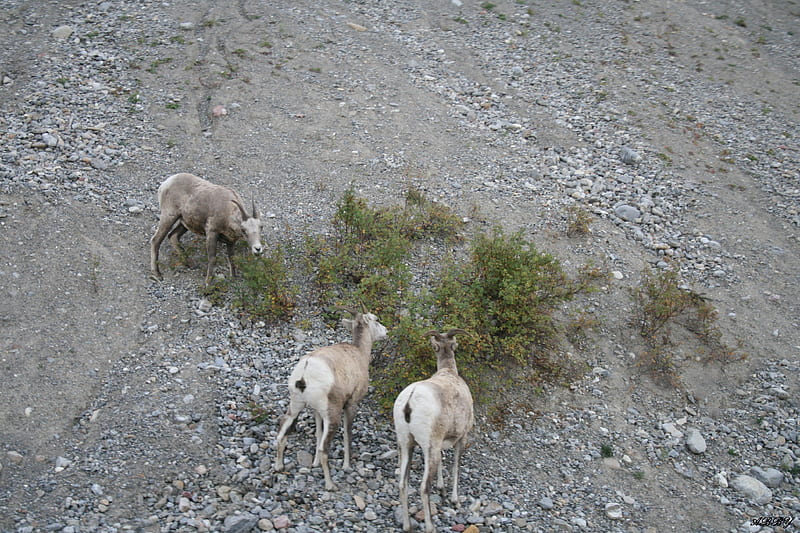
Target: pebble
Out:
[613,511]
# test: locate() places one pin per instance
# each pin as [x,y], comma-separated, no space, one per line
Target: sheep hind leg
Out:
[433,461]
[174,237]
[164,226]
[287,423]
[318,435]
[405,450]
[330,425]
[458,448]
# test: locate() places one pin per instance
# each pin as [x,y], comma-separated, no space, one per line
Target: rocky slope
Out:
[129,405]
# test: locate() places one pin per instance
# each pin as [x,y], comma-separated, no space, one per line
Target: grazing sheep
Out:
[332,381]
[189,203]
[436,414]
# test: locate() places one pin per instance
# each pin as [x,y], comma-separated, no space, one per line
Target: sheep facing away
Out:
[332,381]
[436,414]
[189,203]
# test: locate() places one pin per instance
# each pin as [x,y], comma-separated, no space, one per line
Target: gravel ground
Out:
[130,405]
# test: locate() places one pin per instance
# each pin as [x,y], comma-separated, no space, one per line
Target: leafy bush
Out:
[263,291]
[366,260]
[504,296]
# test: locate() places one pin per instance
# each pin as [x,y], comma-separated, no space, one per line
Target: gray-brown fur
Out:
[189,203]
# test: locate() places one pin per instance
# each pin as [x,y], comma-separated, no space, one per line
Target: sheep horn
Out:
[255,212]
[245,216]
[434,333]
[348,309]
[455,331]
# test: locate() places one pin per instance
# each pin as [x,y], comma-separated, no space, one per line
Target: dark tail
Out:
[407,409]
[301,383]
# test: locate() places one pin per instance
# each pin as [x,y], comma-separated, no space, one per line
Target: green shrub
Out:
[504,296]
[262,291]
[366,260]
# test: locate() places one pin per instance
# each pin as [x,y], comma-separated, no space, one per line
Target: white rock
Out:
[614,511]
[62,32]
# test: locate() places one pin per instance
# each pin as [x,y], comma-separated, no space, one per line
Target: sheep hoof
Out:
[278,467]
[329,485]
[156,276]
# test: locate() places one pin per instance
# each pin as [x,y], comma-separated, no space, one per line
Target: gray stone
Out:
[627,213]
[769,477]
[546,503]
[240,523]
[304,458]
[752,489]
[629,156]
[695,441]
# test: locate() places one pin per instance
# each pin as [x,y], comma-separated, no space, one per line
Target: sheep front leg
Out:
[231,269]
[349,415]
[164,226]
[211,248]
[331,422]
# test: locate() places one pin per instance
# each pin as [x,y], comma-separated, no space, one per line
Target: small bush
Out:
[262,291]
[659,302]
[578,222]
[366,260]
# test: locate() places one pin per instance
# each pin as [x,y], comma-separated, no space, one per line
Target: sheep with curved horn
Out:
[189,203]
[435,414]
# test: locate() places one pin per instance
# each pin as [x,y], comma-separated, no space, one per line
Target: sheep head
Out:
[251,228]
[445,344]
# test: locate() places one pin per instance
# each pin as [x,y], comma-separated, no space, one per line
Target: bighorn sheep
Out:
[436,414]
[332,381]
[191,203]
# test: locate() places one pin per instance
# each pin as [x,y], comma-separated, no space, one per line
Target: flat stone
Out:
[770,477]
[62,32]
[627,213]
[752,489]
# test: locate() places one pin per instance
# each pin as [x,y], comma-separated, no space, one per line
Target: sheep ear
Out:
[349,324]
